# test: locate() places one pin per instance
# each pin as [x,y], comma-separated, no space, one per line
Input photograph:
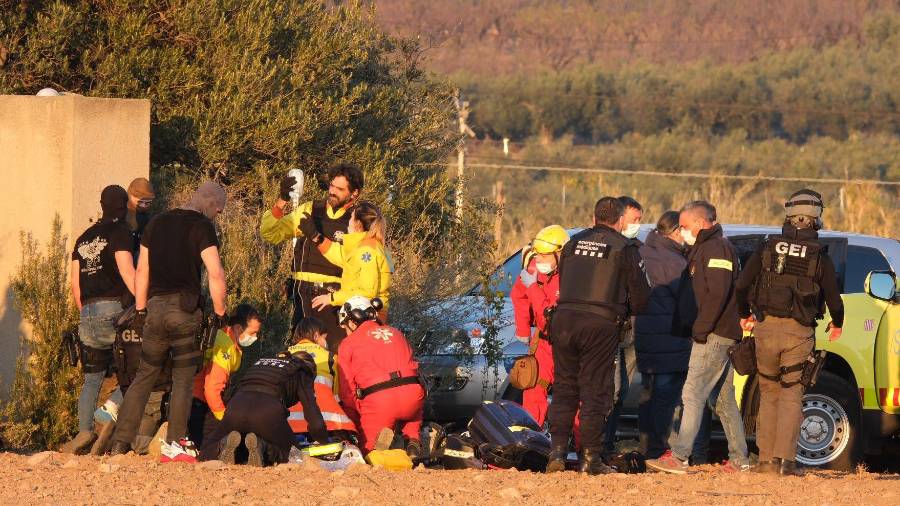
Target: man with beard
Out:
[313,274]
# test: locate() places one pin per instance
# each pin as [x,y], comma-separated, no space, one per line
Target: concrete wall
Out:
[56,155]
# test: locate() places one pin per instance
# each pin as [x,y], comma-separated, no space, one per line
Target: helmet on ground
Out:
[359,309]
[550,240]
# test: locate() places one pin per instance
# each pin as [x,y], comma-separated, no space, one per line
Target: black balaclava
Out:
[114,203]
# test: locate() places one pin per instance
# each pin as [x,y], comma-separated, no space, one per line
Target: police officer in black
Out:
[602,283]
[786,284]
[259,409]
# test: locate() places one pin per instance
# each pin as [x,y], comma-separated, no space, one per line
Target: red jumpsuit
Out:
[531,294]
[367,357]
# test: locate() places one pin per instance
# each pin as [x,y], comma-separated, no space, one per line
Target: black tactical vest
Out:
[593,273]
[307,257]
[787,285]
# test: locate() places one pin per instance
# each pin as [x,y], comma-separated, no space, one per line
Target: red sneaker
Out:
[668,463]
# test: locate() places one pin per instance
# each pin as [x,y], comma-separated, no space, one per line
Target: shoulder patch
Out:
[720,263]
[366,257]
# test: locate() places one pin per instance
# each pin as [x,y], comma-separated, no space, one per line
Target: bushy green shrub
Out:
[42,408]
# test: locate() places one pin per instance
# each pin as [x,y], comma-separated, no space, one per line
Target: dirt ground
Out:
[54,478]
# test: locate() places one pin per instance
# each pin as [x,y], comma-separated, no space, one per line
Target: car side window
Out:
[862,260]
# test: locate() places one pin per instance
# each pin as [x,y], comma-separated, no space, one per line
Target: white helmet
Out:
[359,309]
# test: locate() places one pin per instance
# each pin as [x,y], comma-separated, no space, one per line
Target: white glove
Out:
[527,278]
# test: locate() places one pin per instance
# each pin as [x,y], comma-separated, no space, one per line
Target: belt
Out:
[604,312]
[319,287]
[395,381]
[101,299]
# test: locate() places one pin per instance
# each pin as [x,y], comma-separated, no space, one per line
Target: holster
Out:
[70,342]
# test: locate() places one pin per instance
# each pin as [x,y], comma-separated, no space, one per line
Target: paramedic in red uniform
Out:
[378,376]
[536,290]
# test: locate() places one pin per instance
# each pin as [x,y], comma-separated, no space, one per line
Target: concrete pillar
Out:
[56,155]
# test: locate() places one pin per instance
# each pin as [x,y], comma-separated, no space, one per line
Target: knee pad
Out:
[95,360]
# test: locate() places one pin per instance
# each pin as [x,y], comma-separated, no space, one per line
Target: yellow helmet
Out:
[550,239]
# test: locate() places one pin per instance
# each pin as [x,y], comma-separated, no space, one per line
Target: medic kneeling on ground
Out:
[310,336]
[378,376]
[536,291]
[257,414]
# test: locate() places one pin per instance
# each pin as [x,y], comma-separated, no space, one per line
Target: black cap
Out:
[114,203]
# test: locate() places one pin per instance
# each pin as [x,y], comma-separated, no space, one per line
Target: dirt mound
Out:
[54,478]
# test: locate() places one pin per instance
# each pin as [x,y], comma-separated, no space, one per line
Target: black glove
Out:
[140,317]
[308,227]
[218,321]
[287,186]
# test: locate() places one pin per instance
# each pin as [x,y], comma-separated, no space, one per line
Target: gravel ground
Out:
[55,478]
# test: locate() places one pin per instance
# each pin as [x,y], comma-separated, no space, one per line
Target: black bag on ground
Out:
[459,452]
[508,437]
[630,463]
[743,356]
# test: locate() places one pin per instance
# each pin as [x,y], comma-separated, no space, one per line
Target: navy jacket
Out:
[658,351]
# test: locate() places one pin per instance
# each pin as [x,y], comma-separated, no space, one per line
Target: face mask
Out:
[544,268]
[688,237]
[247,340]
[631,230]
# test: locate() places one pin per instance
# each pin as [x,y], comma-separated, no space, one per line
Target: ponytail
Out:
[372,220]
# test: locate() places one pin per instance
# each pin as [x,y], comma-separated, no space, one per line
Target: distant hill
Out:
[481,37]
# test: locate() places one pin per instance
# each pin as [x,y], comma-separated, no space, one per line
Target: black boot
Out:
[119,448]
[556,461]
[592,463]
[767,467]
[415,451]
[789,468]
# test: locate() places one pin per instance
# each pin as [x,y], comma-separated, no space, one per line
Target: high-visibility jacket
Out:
[367,267]
[219,363]
[326,389]
[532,293]
[277,227]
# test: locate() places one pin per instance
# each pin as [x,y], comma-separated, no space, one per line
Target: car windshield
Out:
[504,277]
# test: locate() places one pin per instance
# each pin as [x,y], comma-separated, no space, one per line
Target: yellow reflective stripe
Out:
[720,263]
[315,277]
[458,454]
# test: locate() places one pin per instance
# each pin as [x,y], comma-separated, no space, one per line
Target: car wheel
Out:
[829,431]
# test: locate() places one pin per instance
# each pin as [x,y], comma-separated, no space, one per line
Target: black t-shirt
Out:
[175,239]
[95,251]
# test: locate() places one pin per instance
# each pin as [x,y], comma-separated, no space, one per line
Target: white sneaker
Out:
[178,451]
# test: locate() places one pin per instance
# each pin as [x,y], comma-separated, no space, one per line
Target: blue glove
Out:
[527,278]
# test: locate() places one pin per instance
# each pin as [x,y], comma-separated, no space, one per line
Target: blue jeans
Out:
[96,329]
[710,380]
[660,398]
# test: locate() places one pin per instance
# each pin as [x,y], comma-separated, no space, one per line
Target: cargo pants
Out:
[780,342]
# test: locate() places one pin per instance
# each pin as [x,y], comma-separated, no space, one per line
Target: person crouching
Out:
[378,377]
[258,411]
[310,336]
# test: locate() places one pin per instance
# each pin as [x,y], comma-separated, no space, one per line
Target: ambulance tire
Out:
[830,430]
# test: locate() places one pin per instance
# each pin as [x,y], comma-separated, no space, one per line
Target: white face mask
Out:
[247,340]
[544,268]
[688,237]
[631,230]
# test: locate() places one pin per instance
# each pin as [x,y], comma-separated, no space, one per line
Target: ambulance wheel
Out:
[829,431]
